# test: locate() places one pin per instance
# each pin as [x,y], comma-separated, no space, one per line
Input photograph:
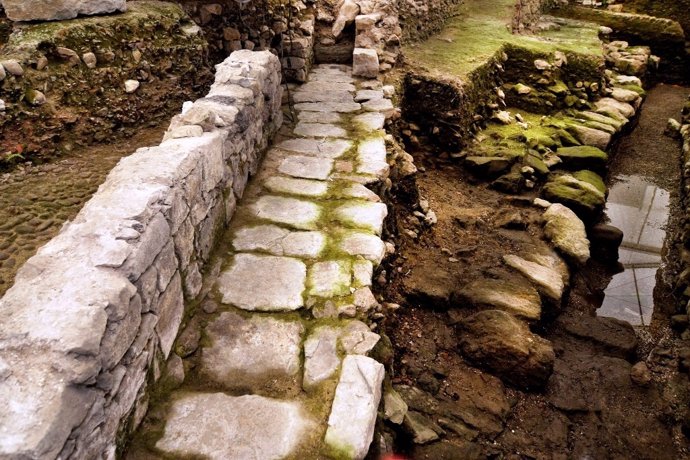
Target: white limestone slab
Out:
[353,414]
[371,155]
[322,96]
[221,427]
[356,190]
[378,105]
[357,339]
[279,241]
[243,349]
[320,117]
[306,167]
[316,86]
[317,147]
[264,283]
[320,355]
[290,211]
[364,244]
[365,215]
[319,130]
[330,278]
[368,95]
[548,280]
[293,186]
[341,107]
[362,272]
[370,121]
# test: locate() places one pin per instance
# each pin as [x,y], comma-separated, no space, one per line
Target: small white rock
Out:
[131,86]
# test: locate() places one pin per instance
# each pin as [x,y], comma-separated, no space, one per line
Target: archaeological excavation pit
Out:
[308,229]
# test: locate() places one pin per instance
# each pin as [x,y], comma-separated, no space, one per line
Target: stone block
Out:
[365,63]
[41,10]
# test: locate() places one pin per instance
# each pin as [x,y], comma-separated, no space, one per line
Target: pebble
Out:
[13,67]
[131,86]
[640,374]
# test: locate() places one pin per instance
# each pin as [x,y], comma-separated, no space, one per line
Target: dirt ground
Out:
[590,408]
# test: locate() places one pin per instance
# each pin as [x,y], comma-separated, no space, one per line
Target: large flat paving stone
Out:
[306,167]
[222,427]
[290,211]
[322,86]
[341,107]
[320,117]
[364,244]
[353,414]
[330,278]
[365,215]
[243,349]
[317,147]
[279,241]
[303,95]
[265,283]
[370,121]
[293,186]
[371,155]
[319,130]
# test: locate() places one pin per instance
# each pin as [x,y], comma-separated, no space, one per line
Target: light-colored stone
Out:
[567,232]
[265,283]
[13,67]
[322,96]
[290,211]
[306,167]
[363,215]
[349,9]
[364,244]
[609,104]
[320,117]
[591,136]
[319,130]
[320,148]
[323,86]
[222,427]
[357,338]
[365,63]
[547,279]
[513,296]
[90,60]
[379,105]
[131,86]
[353,414]
[329,278]
[371,155]
[320,355]
[368,95]
[356,190]
[38,10]
[279,241]
[362,272]
[370,121]
[624,95]
[243,350]
[340,107]
[293,186]
[395,407]
[364,299]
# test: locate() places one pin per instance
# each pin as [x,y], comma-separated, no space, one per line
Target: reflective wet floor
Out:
[639,208]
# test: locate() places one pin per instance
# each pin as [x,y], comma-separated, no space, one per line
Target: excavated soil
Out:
[590,408]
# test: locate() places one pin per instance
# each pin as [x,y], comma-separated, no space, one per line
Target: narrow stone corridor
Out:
[305,234]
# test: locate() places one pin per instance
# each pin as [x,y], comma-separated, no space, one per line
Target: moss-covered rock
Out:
[583,156]
[584,192]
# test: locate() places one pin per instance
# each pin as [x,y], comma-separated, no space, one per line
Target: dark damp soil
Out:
[35,201]
[590,407]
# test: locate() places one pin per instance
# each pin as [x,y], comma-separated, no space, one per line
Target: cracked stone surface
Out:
[321,355]
[319,148]
[279,241]
[293,186]
[330,278]
[306,167]
[365,215]
[290,211]
[319,130]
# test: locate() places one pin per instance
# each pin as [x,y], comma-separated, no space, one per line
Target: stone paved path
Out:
[283,368]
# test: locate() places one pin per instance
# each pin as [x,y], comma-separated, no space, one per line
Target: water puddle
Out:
[639,208]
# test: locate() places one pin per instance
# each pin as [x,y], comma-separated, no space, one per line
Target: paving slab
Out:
[341,107]
[319,130]
[279,241]
[320,117]
[353,414]
[221,427]
[243,349]
[265,283]
[306,167]
[378,105]
[320,355]
[368,95]
[293,186]
[297,213]
[364,244]
[303,95]
[364,214]
[330,278]
[316,86]
[371,155]
[319,148]
[370,121]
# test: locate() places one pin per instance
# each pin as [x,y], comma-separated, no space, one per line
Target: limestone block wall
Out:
[94,313]
[422,18]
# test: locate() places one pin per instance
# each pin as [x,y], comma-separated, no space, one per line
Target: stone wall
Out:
[93,315]
[422,18]
[81,81]
[527,14]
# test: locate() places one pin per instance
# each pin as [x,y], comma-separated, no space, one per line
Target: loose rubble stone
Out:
[546,278]
[353,414]
[243,349]
[515,296]
[131,86]
[240,286]
[498,341]
[251,427]
[567,232]
[357,338]
[395,408]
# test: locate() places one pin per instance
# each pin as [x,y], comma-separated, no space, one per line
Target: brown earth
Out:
[595,404]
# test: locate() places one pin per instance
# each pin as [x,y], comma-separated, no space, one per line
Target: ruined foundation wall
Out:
[420,19]
[93,315]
